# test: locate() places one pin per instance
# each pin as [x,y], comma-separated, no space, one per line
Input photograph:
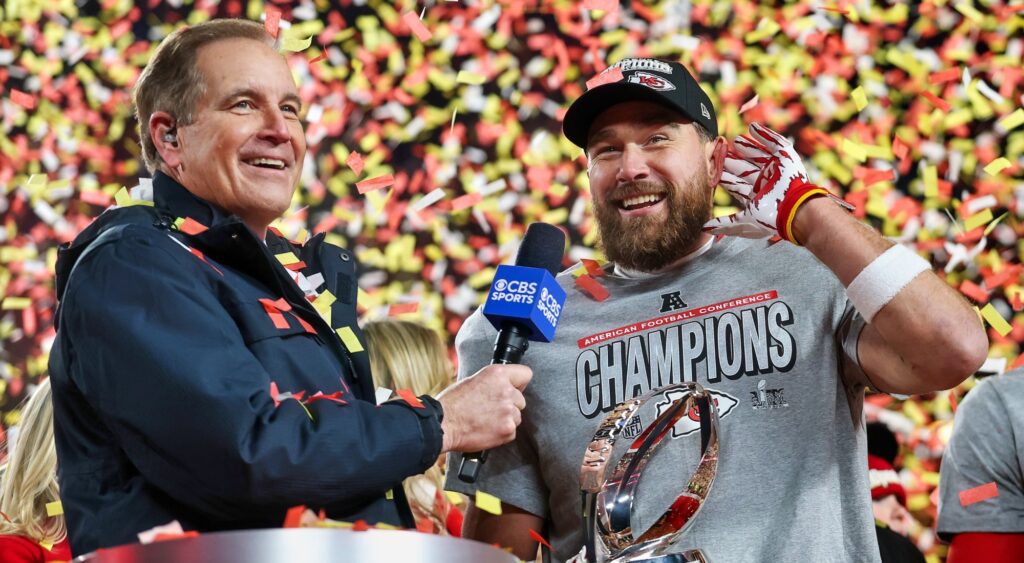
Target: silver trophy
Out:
[608,502]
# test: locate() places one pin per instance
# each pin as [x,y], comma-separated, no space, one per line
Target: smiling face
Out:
[652,180]
[243,150]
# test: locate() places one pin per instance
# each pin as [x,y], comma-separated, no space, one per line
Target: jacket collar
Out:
[176,200]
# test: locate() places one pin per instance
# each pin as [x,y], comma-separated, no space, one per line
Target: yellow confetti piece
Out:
[287,258]
[488,503]
[855,149]
[1012,120]
[122,198]
[969,12]
[931,181]
[997,166]
[54,508]
[324,301]
[467,77]
[453,497]
[47,545]
[978,219]
[860,97]
[390,495]
[995,320]
[296,44]
[16,303]
[350,339]
[993,224]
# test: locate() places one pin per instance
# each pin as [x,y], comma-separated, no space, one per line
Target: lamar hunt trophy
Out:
[608,504]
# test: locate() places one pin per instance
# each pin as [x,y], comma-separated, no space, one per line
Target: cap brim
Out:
[582,113]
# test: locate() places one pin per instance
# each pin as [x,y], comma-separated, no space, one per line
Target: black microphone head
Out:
[542,247]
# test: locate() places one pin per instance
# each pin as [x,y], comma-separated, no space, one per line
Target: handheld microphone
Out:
[524,304]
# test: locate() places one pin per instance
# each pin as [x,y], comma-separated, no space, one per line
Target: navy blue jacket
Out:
[162,371]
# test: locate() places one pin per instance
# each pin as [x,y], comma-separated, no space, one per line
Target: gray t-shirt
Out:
[762,325]
[987,446]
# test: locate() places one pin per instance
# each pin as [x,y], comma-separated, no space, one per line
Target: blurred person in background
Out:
[406,355]
[981,484]
[892,520]
[28,483]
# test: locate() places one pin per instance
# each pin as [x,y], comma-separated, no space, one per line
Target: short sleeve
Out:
[983,449]
[511,471]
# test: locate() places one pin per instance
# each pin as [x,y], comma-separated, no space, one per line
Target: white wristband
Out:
[883,278]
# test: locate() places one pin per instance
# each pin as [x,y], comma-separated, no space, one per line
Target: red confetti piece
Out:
[275,393]
[410,398]
[23,99]
[295,266]
[95,197]
[899,148]
[274,313]
[377,183]
[294,516]
[163,536]
[539,538]
[320,57]
[606,77]
[355,162]
[978,494]
[6,517]
[333,397]
[468,200]
[604,5]
[360,526]
[952,400]
[198,254]
[1018,304]
[272,21]
[1016,363]
[872,176]
[591,287]
[943,76]
[192,227]
[974,291]
[936,101]
[402,308]
[416,26]
[593,268]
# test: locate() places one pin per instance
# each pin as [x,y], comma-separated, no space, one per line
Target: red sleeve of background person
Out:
[19,549]
[986,548]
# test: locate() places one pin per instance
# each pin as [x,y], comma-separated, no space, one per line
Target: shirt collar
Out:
[170,196]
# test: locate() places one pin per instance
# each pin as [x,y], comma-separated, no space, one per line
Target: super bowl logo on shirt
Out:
[652,81]
[691,422]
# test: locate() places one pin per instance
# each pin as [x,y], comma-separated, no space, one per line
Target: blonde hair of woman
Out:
[405,355]
[28,482]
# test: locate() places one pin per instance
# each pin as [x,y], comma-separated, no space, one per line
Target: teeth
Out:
[640,200]
[279,164]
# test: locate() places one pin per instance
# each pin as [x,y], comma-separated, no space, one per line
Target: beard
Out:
[651,242]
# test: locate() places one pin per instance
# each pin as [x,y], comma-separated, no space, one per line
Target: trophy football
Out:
[608,501]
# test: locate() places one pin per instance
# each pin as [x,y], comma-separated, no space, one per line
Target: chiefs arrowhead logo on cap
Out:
[652,81]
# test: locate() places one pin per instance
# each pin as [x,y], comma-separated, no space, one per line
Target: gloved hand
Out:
[766,176]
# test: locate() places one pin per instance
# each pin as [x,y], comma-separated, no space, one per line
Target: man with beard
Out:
[786,338]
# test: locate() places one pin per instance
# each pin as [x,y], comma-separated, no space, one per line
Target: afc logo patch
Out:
[652,81]
[672,302]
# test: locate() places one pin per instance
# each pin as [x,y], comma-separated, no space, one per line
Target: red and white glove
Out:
[766,176]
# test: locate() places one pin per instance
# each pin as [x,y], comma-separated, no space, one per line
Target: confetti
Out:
[409,397]
[613,74]
[1012,121]
[416,26]
[402,309]
[539,538]
[860,98]
[22,99]
[355,162]
[591,287]
[997,166]
[378,183]
[466,77]
[995,320]
[749,104]
[488,503]
[272,21]
[350,340]
[978,494]
[190,226]
[293,517]
[54,508]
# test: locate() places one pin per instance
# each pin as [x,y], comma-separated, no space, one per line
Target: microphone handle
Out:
[509,348]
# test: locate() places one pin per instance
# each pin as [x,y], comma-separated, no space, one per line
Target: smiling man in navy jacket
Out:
[208,371]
